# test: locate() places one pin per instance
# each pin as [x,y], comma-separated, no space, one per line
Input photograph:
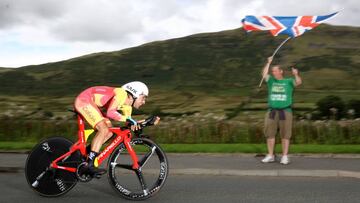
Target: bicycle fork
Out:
[138,164]
[136,167]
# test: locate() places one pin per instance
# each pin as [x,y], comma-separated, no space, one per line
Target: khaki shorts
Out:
[273,125]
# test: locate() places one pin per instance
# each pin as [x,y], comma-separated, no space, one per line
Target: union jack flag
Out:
[293,26]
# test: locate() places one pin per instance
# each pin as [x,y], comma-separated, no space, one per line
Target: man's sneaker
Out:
[285,160]
[268,159]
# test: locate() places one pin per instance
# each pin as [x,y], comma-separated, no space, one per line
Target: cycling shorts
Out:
[85,105]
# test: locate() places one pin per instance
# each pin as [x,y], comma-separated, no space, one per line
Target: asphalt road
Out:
[318,162]
[201,188]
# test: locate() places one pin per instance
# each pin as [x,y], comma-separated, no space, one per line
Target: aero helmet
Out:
[136,88]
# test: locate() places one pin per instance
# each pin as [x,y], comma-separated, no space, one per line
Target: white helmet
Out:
[136,88]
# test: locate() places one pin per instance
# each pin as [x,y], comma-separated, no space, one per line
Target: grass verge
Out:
[14,146]
[220,148]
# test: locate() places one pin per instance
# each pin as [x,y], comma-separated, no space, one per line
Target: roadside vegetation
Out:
[315,129]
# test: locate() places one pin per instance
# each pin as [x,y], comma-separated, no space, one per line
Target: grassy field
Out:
[170,103]
[218,148]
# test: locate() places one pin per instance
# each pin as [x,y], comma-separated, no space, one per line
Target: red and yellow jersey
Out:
[111,98]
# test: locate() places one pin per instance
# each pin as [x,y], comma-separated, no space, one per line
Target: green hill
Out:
[200,72]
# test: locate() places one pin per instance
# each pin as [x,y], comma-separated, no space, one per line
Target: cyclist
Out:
[88,103]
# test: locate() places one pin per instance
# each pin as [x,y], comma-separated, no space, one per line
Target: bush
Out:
[331,107]
[353,107]
[48,114]
[185,131]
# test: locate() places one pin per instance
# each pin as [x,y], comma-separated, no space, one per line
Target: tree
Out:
[331,107]
[354,105]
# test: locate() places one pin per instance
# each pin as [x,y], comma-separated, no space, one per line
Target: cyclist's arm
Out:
[117,103]
[113,113]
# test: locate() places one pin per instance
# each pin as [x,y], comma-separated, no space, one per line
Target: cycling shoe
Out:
[92,170]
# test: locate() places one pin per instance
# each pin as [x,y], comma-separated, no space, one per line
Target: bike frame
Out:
[122,136]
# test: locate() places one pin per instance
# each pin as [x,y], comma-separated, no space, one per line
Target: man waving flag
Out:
[280,89]
[293,26]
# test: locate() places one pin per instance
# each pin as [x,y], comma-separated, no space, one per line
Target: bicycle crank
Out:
[81,173]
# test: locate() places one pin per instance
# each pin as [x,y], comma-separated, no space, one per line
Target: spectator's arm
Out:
[298,80]
[265,71]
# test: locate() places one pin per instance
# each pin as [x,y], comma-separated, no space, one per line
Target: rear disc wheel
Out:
[45,180]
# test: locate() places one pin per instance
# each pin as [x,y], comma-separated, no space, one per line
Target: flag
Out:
[293,26]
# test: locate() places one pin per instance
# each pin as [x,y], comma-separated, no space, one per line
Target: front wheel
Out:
[142,183]
[45,180]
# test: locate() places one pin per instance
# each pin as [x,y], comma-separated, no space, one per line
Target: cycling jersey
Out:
[90,100]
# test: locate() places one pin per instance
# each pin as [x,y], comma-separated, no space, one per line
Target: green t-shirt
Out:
[280,93]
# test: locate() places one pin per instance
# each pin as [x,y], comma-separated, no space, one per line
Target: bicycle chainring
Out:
[83,177]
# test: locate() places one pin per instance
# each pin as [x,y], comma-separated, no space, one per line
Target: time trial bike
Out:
[137,167]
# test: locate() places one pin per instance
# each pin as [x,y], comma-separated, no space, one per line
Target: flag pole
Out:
[276,50]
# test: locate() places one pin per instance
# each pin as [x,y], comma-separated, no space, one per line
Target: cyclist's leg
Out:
[101,136]
[109,135]
[96,144]
[88,109]
[92,114]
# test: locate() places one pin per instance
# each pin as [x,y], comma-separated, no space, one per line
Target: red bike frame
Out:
[122,136]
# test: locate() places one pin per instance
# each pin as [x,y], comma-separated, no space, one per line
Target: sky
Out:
[42,31]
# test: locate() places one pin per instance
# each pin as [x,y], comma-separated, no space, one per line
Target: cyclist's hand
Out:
[134,126]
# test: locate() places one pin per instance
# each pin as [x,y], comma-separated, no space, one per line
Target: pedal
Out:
[83,177]
[100,173]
